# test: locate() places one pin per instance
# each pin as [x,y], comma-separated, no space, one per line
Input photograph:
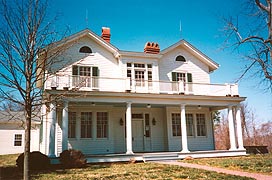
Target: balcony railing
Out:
[87,83]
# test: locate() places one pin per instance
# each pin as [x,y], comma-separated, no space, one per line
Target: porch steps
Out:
[160,156]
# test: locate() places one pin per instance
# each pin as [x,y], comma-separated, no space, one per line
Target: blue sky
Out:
[134,22]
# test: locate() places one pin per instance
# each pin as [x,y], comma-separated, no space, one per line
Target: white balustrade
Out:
[86,83]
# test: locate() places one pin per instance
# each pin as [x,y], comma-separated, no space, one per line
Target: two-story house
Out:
[111,101]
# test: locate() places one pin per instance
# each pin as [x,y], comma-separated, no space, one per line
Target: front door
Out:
[137,136]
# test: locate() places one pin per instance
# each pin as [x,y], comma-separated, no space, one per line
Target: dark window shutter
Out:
[189,77]
[174,76]
[95,71]
[75,70]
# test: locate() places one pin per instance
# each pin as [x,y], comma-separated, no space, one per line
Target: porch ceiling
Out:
[141,99]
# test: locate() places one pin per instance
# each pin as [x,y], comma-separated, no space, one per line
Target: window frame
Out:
[190,126]
[180,58]
[201,128]
[141,73]
[87,125]
[176,124]
[72,121]
[18,138]
[85,76]
[103,131]
[147,125]
[85,49]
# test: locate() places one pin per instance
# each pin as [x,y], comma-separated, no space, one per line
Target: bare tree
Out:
[251,34]
[24,31]
[221,133]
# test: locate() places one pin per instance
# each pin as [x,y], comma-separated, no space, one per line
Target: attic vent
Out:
[180,58]
[152,48]
[85,49]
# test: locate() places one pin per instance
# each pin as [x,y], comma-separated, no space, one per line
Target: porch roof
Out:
[155,100]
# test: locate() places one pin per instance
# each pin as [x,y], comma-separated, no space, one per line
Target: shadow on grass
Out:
[15,173]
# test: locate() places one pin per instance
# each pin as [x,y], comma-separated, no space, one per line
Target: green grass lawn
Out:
[250,163]
[110,171]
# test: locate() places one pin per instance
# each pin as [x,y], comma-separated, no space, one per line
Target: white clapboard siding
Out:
[7,141]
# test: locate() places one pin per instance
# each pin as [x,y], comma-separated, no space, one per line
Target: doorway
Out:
[137,135]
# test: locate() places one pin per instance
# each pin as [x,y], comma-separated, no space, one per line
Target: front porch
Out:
[158,156]
[169,126]
[162,156]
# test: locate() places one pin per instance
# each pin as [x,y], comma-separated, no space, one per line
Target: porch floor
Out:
[155,156]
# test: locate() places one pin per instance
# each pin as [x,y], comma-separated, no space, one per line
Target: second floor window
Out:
[140,73]
[85,76]
[185,77]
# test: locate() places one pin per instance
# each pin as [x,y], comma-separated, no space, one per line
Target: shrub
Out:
[37,161]
[72,158]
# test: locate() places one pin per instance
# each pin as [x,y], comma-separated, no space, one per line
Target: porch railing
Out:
[131,85]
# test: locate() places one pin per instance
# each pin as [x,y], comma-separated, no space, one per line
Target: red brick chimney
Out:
[152,48]
[106,34]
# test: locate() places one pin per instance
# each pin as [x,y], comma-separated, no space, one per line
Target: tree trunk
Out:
[27,147]
[28,115]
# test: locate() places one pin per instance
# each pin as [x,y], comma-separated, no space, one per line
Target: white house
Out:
[113,102]
[12,133]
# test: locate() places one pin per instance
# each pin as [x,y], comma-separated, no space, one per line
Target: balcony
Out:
[86,83]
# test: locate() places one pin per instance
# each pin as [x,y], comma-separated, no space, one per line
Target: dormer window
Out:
[85,49]
[180,58]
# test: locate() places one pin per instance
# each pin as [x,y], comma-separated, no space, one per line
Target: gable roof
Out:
[205,59]
[87,33]
[117,53]
[16,117]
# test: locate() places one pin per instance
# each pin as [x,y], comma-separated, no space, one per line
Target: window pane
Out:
[180,58]
[201,124]
[139,77]
[176,126]
[139,65]
[102,125]
[147,125]
[181,77]
[85,49]
[137,116]
[189,124]
[149,75]
[71,124]
[84,71]
[18,140]
[128,73]
[86,124]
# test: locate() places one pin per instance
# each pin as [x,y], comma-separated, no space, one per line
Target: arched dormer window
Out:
[180,58]
[85,49]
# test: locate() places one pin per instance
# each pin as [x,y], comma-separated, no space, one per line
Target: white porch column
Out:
[52,119]
[183,129]
[239,128]
[65,126]
[43,144]
[129,129]
[231,129]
